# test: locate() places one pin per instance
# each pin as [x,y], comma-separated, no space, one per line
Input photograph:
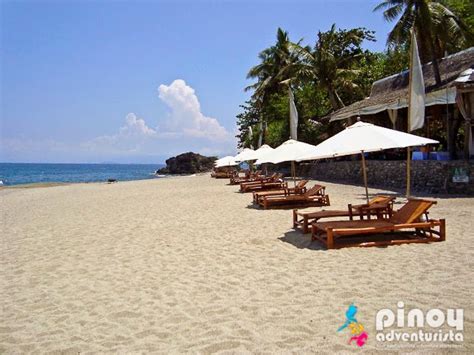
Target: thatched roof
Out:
[394,89]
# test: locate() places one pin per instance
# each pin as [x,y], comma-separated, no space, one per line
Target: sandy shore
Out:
[183,265]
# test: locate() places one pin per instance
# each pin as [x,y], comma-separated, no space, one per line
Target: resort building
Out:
[449,104]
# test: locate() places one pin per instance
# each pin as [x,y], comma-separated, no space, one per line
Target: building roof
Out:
[392,92]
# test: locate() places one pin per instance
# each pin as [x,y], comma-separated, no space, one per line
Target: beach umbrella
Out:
[363,137]
[245,155]
[291,150]
[226,161]
[262,151]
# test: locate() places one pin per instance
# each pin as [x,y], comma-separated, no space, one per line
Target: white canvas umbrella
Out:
[290,150]
[362,138]
[246,155]
[261,152]
[226,161]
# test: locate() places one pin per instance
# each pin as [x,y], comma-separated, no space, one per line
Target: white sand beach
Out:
[183,265]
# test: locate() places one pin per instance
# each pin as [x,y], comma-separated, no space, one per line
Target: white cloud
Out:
[135,126]
[185,128]
[129,138]
[186,116]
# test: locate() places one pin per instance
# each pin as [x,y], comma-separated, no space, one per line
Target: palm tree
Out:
[331,64]
[278,64]
[435,27]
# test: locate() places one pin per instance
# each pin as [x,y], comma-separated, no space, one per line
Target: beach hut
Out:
[388,100]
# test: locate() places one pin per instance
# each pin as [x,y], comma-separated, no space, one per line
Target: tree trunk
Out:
[434,60]
[334,98]
[424,30]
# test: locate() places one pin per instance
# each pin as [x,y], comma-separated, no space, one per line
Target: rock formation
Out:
[188,163]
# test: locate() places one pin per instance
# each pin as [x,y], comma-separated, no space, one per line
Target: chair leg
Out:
[442,230]
[330,238]
[295,217]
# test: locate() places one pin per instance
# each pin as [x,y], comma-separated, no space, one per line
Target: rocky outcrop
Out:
[188,163]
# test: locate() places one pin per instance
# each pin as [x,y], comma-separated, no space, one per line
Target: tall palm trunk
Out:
[428,52]
[424,27]
[334,98]
[434,60]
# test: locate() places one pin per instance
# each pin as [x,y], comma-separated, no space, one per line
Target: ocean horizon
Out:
[31,173]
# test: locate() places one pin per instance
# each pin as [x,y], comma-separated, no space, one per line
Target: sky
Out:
[140,81]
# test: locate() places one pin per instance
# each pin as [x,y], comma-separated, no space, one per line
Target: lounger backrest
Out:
[411,211]
[315,190]
[301,184]
[381,199]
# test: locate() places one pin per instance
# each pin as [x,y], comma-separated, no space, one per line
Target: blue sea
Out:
[26,173]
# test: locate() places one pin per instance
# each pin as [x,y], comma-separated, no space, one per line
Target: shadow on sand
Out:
[301,241]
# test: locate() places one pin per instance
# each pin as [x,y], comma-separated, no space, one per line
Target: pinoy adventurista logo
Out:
[416,325]
[357,331]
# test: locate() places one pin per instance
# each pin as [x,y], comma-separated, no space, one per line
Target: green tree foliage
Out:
[248,117]
[338,71]
[333,62]
[438,29]
[464,10]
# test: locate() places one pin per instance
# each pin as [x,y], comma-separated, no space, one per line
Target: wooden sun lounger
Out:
[260,179]
[337,234]
[298,189]
[221,174]
[379,206]
[252,177]
[272,182]
[263,186]
[315,196]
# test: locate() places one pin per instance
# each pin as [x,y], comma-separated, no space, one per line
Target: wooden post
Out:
[364,173]
[467,136]
[450,132]
[293,172]
[408,192]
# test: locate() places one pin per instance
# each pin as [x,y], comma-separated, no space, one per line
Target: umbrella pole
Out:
[408,172]
[364,173]
[293,172]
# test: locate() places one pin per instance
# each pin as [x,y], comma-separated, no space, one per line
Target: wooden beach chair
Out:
[315,196]
[260,179]
[274,181]
[249,177]
[267,185]
[391,231]
[300,188]
[220,174]
[380,206]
